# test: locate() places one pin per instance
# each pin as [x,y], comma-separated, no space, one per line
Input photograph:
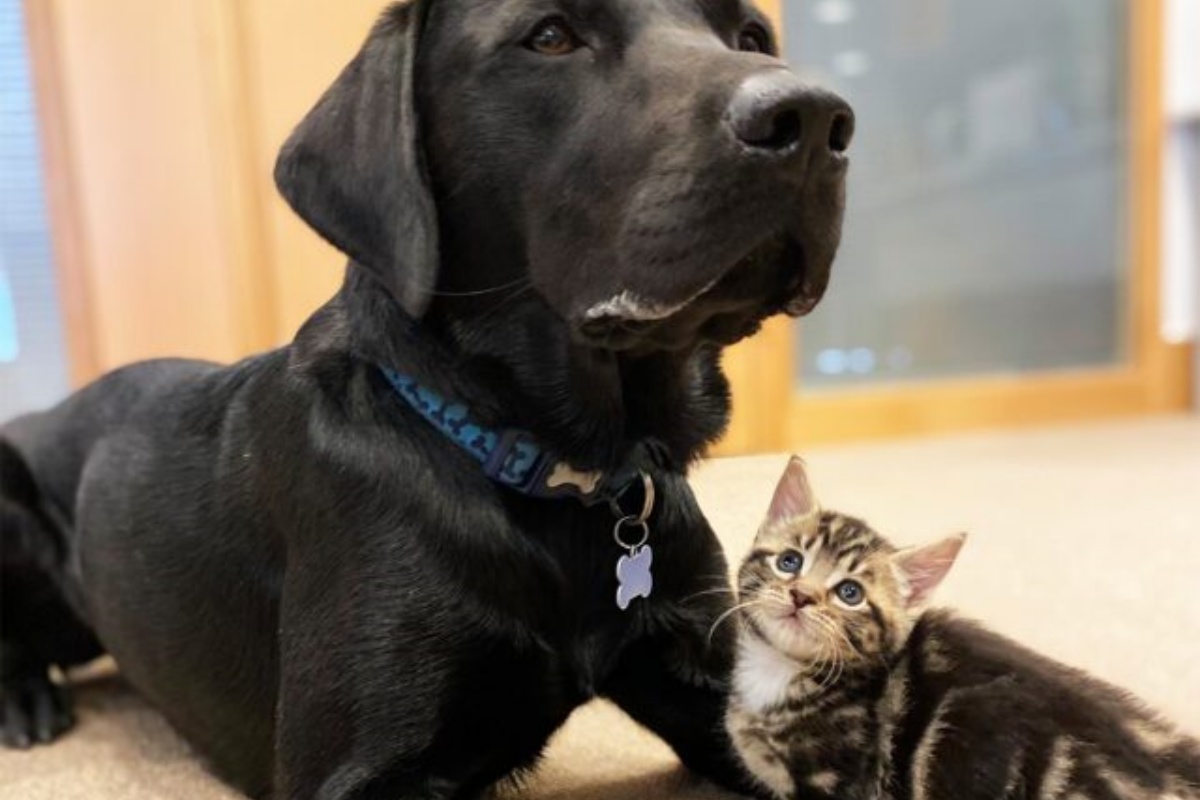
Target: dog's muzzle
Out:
[797,136]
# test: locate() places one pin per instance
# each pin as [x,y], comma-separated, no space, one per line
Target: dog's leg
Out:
[33,710]
[390,692]
[37,628]
[400,719]
[353,715]
[675,685]
[675,681]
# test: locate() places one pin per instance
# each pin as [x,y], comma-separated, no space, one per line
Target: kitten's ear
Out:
[924,568]
[793,496]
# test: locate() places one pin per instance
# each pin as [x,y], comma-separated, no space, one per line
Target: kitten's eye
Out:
[850,592]
[553,37]
[789,561]
[754,39]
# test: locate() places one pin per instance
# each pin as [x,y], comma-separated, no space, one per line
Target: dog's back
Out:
[142,440]
[55,444]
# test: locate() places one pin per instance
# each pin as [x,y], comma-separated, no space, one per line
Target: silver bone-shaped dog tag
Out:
[634,578]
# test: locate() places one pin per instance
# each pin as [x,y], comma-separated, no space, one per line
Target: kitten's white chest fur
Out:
[762,675]
[761,678]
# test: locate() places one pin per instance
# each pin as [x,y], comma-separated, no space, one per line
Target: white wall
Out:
[1181,187]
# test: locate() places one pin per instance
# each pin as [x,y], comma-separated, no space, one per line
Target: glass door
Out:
[987,222]
[999,260]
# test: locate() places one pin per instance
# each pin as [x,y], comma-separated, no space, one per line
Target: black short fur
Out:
[319,591]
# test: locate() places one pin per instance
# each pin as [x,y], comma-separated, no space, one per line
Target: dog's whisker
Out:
[521,282]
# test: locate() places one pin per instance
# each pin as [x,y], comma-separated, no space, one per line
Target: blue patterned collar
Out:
[510,457]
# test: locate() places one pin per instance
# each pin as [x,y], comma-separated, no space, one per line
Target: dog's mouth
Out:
[776,276]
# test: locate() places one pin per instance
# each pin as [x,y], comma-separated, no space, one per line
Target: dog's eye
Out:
[754,39]
[553,37]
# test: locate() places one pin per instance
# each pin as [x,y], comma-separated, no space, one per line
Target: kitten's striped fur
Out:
[882,702]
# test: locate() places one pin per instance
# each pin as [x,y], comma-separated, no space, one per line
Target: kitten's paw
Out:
[33,710]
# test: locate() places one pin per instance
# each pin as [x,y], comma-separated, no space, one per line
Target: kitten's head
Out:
[824,588]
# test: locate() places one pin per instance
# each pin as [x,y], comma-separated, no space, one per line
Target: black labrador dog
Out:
[390,559]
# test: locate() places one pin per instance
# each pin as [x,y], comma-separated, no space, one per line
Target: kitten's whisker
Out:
[835,629]
[824,672]
[729,613]
[839,664]
[832,667]
[722,577]
[819,677]
[702,593]
[841,669]
[836,669]
[828,673]
[846,640]
[828,627]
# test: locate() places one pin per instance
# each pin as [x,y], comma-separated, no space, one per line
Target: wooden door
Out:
[160,122]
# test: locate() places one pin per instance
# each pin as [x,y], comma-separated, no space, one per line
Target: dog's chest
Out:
[593,633]
[591,620]
[591,658]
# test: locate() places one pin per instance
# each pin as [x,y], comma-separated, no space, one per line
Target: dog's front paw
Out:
[33,710]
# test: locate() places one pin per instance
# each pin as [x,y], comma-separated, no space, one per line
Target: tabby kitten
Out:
[845,689]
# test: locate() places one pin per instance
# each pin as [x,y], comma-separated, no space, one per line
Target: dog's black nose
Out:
[775,111]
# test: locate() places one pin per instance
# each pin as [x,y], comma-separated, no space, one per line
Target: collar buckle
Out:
[519,463]
[516,461]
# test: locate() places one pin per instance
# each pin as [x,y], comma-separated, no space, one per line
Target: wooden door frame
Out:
[1156,376]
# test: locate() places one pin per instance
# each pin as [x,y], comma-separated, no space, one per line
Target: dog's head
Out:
[650,167]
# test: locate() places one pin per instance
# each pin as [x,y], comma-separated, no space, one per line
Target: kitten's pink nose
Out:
[800,599]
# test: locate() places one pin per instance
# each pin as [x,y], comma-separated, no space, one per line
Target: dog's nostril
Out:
[786,129]
[841,132]
[777,114]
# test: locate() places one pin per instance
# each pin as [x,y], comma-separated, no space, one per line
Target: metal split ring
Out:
[648,499]
[639,520]
[632,521]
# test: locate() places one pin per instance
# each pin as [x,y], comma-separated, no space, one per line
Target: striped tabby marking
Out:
[829,696]
[926,752]
[1058,774]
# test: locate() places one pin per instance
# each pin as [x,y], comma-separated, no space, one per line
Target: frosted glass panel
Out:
[986,225]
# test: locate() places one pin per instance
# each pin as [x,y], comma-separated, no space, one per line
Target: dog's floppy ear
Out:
[354,169]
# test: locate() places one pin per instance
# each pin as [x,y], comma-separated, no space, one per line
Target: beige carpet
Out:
[1085,544]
